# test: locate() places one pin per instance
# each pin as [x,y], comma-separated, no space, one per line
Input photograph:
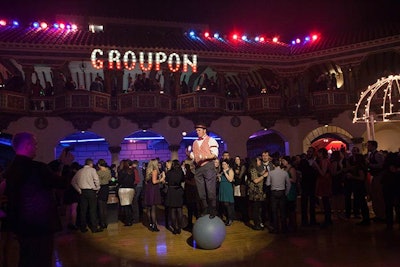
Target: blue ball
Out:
[209,233]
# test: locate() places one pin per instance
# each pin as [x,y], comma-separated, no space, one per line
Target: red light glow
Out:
[206,34]
[235,37]
[3,22]
[314,37]
[275,39]
[43,25]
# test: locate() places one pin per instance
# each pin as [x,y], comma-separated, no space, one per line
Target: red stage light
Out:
[262,39]
[275,39]
[298,40]
[235,36]
[43,25]
[206,34]
[314,37]
[3,22]
[62,26]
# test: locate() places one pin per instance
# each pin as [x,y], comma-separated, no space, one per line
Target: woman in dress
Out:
[104,174]
[292,196]
[225,194]
[174,198]
[152,195]
[240,191]
[324,184]
[126,191]
[256,192]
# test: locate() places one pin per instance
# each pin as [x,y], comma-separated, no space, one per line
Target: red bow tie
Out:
[200,138]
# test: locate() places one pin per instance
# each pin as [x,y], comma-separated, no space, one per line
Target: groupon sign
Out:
[147,60]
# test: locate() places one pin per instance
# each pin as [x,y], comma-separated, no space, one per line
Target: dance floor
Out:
[342,244]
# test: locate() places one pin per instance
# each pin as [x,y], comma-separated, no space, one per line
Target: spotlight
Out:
[235,36]
[74,27]
[62,26]
[262,39]
[192,34]
[298,40]
[257,38]
[15,23]
[43,25]
[35,25]
[3,22]
[56,26]
[206,34]
[275,39]
[314,37]
[244,38]
[216,35]
[307,39]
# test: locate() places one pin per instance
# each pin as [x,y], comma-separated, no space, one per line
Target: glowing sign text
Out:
[147,60]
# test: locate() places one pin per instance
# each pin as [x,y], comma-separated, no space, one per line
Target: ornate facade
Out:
[238,88]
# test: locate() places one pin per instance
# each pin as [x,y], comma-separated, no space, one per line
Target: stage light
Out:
[314,37]
[244,38]
[275,39]
[56,26]
[62,26]
[74,27]
[15,23]
[257,38]
[216,35]
[298,40]
[307,39]
[68,26]
[262,39]
[206,34]
[293,42]
[192,34]
[235,36]
[43,25]
[35,25]
[3,22]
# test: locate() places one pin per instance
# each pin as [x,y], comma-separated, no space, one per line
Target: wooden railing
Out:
[81,101]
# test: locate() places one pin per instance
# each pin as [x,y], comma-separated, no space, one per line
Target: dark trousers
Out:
[102,208]
[136,205]
[205,177]
[352,187]
[256,211]
[278,207]
[36,251]
[308,200]
[241,204]
[359,193]
[88,203]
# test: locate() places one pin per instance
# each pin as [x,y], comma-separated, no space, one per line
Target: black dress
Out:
[174,197]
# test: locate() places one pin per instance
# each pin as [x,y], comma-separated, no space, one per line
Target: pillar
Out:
[114,150]
[174,151]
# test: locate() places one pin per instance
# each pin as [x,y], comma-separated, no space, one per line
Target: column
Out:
[174,151]
[114,150]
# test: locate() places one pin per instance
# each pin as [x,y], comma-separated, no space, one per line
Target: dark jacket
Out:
[32,208]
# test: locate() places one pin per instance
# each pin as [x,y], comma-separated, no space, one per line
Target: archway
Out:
[328,137]
[85,145]
[267,140]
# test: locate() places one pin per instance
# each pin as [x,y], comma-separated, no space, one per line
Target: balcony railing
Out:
[81,101]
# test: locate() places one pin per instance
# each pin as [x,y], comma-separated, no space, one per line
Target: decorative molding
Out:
[114,122]
[82,122]
[235,121]
[41,123]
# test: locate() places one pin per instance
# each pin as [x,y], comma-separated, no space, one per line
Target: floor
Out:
[342,244]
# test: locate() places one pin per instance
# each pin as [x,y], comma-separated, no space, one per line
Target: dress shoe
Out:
[228,223]
[155,228]
[97,230]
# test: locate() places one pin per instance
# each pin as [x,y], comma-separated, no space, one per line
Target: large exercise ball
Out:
[209,233]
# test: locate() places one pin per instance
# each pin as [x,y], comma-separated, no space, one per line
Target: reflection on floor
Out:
[342,244]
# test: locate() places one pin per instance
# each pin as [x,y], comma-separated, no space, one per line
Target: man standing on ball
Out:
[205,151]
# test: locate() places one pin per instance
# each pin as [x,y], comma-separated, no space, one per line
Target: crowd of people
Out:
[261,192]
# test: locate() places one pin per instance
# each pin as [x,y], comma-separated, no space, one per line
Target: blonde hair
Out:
[151,166]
